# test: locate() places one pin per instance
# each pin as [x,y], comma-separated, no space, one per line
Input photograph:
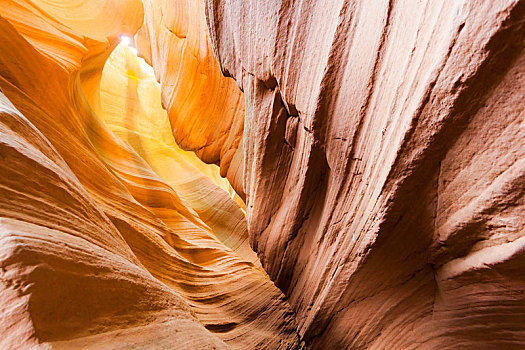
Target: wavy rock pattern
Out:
[384,165]
[206,111]
[379,146]
[111,236]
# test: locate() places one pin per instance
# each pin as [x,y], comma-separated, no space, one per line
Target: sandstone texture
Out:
[110,235]
[206,111]
[385,165]
[341,174]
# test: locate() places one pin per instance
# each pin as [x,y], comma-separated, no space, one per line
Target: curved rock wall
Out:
[378,145]
[384,165]
[110,235]
[206,111]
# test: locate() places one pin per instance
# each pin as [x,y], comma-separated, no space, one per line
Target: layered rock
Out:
[206,111]
[111,236]
[379,146]
[384,165]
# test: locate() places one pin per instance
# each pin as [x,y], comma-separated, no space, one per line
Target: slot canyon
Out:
[273,174]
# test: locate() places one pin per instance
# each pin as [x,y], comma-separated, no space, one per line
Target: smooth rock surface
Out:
[355,181]
[206,110]
[110,235]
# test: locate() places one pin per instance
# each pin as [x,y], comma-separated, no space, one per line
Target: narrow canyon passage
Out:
[212,174]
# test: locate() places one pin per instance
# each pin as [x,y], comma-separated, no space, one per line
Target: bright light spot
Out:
[126,40]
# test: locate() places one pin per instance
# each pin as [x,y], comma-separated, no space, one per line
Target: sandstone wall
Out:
[110,235]
[384,164]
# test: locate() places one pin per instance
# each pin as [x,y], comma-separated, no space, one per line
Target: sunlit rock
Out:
[206,110]
[271,174]
[111,236]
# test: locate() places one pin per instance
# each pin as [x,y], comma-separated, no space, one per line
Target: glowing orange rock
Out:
[206,110]
[97,249]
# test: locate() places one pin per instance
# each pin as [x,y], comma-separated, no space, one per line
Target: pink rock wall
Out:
[384,165]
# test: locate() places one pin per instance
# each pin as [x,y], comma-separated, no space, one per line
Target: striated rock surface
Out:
[358,184]
[110,235]
[206,110]
[385,165]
